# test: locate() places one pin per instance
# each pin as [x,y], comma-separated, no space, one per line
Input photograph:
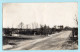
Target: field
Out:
[9,40]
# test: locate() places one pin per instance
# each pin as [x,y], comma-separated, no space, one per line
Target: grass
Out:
[14,39]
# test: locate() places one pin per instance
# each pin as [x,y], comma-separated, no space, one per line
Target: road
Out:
[52,42]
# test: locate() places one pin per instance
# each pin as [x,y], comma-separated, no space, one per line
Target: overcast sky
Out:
[42,13]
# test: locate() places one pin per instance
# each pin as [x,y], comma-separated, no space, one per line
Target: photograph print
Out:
[40,26]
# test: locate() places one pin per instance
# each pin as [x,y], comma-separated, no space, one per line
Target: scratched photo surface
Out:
[40,26]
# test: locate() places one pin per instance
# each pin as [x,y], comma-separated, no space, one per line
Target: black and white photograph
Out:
[40,26]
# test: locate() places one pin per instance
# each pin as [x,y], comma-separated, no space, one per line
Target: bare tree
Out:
[76,20]
[21,25]
[27,26]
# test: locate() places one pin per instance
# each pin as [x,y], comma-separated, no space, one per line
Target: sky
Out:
[51,14]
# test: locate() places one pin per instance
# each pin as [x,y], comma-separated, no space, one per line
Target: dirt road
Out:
[52,42]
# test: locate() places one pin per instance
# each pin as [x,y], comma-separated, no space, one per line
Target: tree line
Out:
[43,30]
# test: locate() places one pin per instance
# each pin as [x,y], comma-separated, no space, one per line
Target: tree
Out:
[76,20]
[45,30]
[21,25]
